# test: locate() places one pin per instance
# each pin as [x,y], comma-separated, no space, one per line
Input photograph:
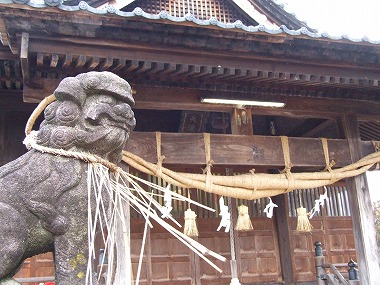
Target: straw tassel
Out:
[303,223]
[190,228]
[243,221]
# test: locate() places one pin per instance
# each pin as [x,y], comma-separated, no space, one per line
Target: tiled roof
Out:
[163,15]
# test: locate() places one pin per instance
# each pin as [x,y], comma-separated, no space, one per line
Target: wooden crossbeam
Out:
[240,150]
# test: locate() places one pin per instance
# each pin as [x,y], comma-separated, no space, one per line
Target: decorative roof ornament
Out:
[53,3]
[83,5]
[21,1]
[111,9]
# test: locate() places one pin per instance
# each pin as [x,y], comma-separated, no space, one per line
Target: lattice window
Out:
[255,207]
[336,205]
[202,9]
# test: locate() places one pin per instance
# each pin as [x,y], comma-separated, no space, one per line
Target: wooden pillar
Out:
[195,260]
[148,244]
[148,257]
[235,261]
[361,208]
[241,122]
[282,224]
[281,218]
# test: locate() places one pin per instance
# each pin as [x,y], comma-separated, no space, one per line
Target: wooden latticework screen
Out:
[167,261]
[201,9]
[332,227]
[337,204]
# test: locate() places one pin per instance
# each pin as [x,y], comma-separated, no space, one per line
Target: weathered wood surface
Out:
[362,215]
[336,236]
[24,51]
[241,122]
[175,98]
[282,221]
[188,149]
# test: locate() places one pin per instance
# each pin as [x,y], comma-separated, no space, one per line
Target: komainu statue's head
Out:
[92,114]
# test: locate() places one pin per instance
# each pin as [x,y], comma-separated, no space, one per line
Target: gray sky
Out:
[342,17]
[339,17]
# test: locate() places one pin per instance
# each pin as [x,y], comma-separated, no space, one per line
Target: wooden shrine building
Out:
[175,54]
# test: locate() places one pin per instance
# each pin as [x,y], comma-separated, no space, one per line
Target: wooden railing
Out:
[334,277]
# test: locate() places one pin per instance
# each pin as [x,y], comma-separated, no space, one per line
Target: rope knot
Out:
[207,169]
[376,145]
[160,159]
[329,166]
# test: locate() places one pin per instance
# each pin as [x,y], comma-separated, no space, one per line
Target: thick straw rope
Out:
[209,162]
[288,164]
[140,203]
[160,158]
[329,164]
[376,145]
[246,186]
[31,136]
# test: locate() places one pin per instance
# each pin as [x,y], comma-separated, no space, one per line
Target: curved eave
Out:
[189,18]
[275,12]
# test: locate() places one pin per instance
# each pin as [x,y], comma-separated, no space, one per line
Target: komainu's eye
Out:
[124,110]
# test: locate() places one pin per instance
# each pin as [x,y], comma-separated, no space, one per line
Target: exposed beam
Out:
[24,57]
[240,150]
[305,126]
[319,128]
[174,98]
[318,70]
[5,52]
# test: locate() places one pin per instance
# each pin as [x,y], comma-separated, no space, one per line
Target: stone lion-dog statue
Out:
[43,197]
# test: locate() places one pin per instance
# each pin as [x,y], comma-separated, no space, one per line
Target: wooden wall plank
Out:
[181,148]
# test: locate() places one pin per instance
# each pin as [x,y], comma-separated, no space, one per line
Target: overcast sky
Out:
[338,17]
[342,17]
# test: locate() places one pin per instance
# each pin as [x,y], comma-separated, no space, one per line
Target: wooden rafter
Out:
[24,57]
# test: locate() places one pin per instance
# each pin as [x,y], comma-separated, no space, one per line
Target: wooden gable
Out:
[223,10]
